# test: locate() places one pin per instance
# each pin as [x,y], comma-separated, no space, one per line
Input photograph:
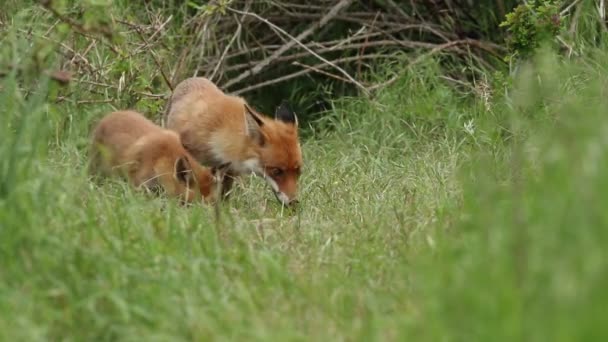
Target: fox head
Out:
[279,156]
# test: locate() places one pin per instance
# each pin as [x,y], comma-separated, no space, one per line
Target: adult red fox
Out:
[217,128]
[149,156]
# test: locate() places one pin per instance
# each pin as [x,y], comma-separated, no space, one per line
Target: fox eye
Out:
[276,172]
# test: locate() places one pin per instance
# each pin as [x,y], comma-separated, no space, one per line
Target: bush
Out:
[530,25]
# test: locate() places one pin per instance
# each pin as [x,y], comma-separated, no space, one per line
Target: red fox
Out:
[149,156]
[218,128]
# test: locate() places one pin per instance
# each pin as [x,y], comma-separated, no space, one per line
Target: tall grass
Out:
[424,216]
[525,256]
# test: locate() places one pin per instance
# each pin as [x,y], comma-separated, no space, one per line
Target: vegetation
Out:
[439,208]
[531,24]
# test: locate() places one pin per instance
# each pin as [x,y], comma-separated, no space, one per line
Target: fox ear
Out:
[286,114]
[253,124]
[183,170]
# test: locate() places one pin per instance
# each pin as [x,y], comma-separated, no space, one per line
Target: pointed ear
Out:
[286,114]
[253,125]
[183,170]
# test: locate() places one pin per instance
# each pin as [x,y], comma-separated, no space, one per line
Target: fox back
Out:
[218,128]
[127,143]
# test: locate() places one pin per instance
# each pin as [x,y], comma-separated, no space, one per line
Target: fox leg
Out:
[227,182]
[225,176]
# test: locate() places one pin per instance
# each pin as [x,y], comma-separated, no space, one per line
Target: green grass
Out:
[423,216]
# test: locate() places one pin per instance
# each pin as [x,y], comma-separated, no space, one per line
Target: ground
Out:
[424,215]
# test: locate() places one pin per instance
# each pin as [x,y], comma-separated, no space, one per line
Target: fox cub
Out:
[150,157]
[218,128]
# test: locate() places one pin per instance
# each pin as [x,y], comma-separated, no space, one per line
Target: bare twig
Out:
[567,9]
[223,56]
[397,24]
[460,82]
[354,46]
[398,9]
[322,72]
[156,61]
[268,41]
[294,40]
[332,44]
[104,31]
[575,20]
[306,71]
[365,44]
[74,54]
[97,84]
[275,55]
[155,96]
[179,64]
[418,60]
[150,40]
[82,102]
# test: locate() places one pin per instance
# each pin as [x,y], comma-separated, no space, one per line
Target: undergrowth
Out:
[424,215]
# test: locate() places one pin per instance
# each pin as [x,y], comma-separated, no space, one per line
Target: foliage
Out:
[131,54]
[530,25]
[436,210]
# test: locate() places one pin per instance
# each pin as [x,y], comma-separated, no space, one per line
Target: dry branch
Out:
[378,43]
[297,40]
[103,31]
[156,61]
[306,48]
[420,59]
[307,71]
[260,44]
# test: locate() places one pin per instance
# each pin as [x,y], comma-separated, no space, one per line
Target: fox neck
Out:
[251,165]
[242,154]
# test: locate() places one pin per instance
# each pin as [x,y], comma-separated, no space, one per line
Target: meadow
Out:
[425,214]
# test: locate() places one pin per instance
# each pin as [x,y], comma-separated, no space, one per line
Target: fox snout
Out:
[284,186]
[286,200]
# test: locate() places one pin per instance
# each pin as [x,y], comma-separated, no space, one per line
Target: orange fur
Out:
[218,128]
[149,156]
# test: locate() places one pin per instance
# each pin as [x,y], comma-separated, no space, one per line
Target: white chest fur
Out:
[243,167]
[247,166]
